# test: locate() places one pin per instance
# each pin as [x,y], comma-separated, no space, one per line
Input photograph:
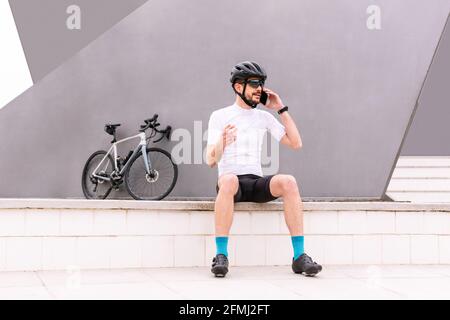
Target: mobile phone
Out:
[263,98]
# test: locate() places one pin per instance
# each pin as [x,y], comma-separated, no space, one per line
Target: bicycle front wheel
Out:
[156,185]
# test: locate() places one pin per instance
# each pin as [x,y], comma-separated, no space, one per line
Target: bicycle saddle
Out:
[111,128]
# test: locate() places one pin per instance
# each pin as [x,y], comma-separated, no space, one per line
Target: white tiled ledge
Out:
[178,235]
[10,203]
[43,239]
[63,253]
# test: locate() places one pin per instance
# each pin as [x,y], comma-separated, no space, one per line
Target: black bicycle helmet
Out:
[243,71]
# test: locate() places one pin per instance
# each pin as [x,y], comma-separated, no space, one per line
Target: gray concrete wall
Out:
[351,90]
[429,134]
[46,40]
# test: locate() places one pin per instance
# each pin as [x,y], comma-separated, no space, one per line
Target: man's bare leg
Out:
[224,205]
[282,185]
[286,186]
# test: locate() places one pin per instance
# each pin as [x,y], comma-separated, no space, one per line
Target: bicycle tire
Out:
[84,178]
[138,170]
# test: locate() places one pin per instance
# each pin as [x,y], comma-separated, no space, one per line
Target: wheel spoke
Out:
[138,184]
[99,189]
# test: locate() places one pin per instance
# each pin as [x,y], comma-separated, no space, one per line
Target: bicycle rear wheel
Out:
[95,188]
[156,185]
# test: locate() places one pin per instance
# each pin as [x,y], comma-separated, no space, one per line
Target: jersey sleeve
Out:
[214,129]
[275,128]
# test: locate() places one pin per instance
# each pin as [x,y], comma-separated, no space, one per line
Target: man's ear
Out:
[238,87]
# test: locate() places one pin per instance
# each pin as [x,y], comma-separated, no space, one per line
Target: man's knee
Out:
[228,183]
[289,184]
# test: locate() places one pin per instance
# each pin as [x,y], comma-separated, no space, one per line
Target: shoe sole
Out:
[311,272]
[219,272]
[219,275]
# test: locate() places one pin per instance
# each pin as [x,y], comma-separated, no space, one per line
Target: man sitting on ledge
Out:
[235,137]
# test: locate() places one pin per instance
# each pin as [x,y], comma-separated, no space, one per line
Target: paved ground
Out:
[334,282]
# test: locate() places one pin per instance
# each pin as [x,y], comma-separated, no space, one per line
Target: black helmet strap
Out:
[242,95]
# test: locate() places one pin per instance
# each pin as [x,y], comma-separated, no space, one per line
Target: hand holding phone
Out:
[264,97]
[273,100]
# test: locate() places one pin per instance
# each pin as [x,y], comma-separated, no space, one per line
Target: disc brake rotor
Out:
[152,177]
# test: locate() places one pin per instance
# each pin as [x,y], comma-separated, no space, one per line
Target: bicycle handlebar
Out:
[152,124]
[154,118]
[164,133]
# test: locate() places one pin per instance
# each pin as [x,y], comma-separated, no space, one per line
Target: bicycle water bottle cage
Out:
[130,153]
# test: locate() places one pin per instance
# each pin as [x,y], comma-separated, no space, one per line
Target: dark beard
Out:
[253,99]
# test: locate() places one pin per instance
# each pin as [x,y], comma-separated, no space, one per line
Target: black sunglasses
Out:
[255,83]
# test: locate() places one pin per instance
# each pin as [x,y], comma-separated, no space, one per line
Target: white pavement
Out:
[334,282]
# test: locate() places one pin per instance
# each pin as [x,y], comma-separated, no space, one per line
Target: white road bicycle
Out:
[148,173]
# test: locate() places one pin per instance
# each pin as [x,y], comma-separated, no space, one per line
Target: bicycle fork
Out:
[147,162]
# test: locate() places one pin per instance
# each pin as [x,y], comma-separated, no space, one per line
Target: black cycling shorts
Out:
[253,188]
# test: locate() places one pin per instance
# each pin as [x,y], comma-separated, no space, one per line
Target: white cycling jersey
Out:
[243,156]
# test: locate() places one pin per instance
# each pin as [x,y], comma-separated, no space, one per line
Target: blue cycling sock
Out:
[222,245]
[298,244]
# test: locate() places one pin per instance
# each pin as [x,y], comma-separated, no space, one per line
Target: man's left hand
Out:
[275,102]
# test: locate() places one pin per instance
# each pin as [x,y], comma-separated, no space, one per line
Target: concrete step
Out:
[423,161]
[421,180]
[420,172]
[420,196]
[53,234]
[402,184]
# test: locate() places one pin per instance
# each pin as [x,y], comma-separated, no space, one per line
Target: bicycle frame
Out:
[142,146]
